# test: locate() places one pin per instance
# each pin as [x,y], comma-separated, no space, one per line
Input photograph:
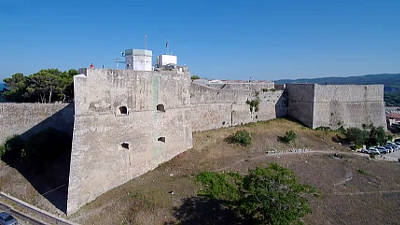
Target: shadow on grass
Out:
[205,211]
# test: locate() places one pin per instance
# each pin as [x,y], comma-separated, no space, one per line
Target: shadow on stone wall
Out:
[281,106]
[47,169]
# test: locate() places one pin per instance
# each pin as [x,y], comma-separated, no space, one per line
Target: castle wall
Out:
[336,105]
[348,106]
[99,161]
[30,118]
[214,108]
[301,102]
[243,85]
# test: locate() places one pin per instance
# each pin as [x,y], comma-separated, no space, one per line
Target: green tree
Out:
[356,136]
[16,86]
[195,77]
[266,196]
[47,85]
[44,86]
[377,136]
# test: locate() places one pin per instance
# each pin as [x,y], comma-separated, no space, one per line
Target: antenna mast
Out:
[145,41]
[118,60]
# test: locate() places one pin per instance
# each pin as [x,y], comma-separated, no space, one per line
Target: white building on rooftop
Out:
[164,60]
[138,59]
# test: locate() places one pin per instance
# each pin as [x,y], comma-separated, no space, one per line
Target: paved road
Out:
[395,154]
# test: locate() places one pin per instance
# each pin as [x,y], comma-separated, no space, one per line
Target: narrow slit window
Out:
[160,108]
[161,139]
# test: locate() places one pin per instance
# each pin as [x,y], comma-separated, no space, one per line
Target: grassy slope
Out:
[147,200]
[348,197]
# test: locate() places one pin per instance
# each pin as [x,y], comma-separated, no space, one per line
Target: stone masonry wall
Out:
[348,106]
[29,118]
[214,108]
[336,105]
[301,102]
[109,147]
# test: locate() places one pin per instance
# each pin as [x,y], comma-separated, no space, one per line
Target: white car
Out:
[373,151]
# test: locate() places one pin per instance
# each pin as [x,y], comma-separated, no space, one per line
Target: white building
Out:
[138,59]
[163,60]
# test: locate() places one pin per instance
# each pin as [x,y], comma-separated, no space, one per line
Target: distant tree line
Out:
[45,86]
[392,99]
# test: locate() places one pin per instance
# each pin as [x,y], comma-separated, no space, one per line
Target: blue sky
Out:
[217,39]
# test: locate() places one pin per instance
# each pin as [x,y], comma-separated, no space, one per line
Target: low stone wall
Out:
[29,118]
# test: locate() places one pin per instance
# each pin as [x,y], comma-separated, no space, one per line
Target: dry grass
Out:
[348,197]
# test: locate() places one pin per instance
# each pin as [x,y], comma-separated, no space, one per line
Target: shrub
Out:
[356,136]
[2,150]
[254,104]
[361,171]
[12,148]
[290,137]
[377,136]
[221,186]
[357,146]
[195,77]
[240,137]
[42,147]
[270,195]
[323,128]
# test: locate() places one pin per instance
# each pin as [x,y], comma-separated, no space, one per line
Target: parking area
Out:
[389,151]
[395,154]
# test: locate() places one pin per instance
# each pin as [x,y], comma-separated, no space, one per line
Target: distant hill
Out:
[391,82]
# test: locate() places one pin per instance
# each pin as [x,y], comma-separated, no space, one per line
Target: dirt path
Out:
[277,154]
[365,193]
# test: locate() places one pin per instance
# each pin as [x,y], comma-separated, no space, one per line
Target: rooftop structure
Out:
[164,60]
[138,59]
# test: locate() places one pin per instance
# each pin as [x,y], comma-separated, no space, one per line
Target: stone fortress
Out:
[125,123]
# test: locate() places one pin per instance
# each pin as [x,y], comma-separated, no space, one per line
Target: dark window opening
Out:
[162,139]
[160,107]
[123,110]
[125,145]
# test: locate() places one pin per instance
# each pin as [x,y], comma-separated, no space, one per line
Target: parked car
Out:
[389,148]
[373,151]
[7,219]
[394,145]
[382,150]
